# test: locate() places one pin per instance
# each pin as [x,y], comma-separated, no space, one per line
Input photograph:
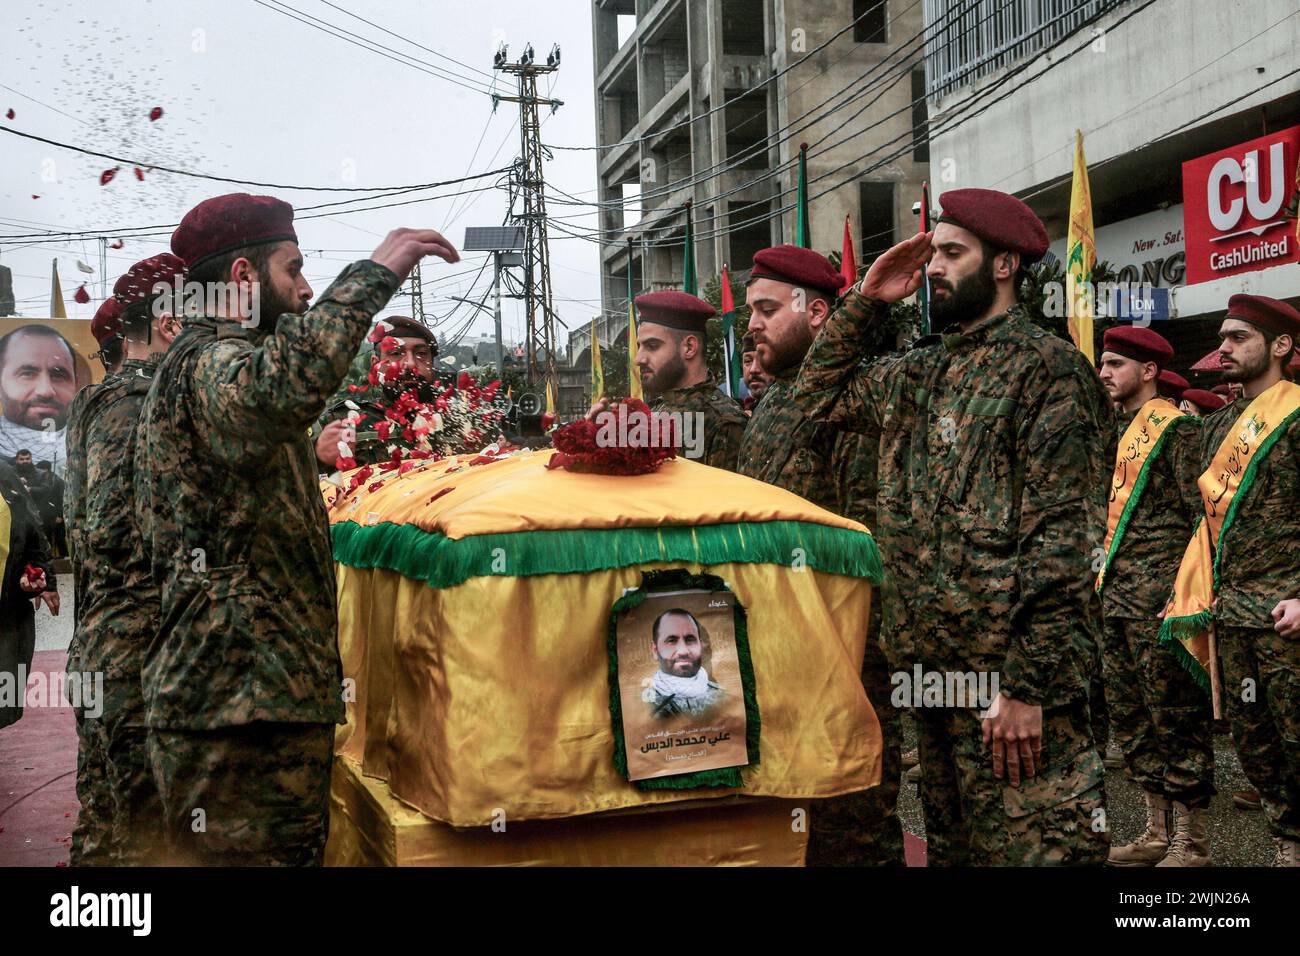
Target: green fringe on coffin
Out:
[653,581]
[442,562]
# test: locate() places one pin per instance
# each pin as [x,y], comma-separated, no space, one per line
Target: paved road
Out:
[1237,837]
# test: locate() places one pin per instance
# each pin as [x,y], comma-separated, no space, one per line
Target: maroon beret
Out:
[1205,401]
[675,310]
[226,223]
[138,281]
[1172,385]
[405,327]
[107,323]
[998,218]
[798,266]
[1269,315]
[1140,344]
[1223,391]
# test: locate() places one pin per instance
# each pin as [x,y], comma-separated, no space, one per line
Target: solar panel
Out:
[493,238]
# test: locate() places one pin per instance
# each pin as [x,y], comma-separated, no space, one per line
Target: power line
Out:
[374,47]
[409,40]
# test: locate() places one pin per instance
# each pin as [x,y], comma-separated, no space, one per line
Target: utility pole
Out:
[530,184]
[417,295]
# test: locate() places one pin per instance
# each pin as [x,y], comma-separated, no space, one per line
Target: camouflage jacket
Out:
[231,511]
[1142,572]
[993,457]
[74,499]
[1259,564]
[116,601]
[724,422]
[784,448]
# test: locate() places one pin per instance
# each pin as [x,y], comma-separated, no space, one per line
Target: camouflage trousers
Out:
[1160,715]
[92,835]
[973,819]
[1261,687]
[1098,708]
[862,828]
[138,838]
[252,795]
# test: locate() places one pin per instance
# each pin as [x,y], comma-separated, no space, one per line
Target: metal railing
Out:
[969,39]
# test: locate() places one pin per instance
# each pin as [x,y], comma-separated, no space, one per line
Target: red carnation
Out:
[33,573]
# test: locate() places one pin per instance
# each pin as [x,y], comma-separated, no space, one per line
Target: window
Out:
[920,118]
[873,27]
[876,219]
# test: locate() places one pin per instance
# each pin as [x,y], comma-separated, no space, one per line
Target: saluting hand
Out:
[1016,731]
[896,274]
[403,248]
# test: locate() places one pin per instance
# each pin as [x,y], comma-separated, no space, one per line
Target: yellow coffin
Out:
[474,602]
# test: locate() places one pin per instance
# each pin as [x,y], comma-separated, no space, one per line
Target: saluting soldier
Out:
[117,606]
[791,293]
[992,459]
[1161,718]
[243,684]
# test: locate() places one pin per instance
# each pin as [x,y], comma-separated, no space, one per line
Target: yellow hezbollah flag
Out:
[1080,255]
[550,398]
[597,374]
[57,309]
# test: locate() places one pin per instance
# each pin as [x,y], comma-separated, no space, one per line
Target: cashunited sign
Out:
[1235,205]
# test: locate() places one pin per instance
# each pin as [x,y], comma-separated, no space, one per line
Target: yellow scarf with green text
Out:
[1138,448]
[1190,610]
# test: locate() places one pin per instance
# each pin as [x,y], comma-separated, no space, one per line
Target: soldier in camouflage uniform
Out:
[1160,716]
[791,292]
[1257,598]
[117,604]
[243,682]
[413,347]
[671,331]
[991,467]
[92,834]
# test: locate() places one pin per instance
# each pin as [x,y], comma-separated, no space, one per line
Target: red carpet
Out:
[38,764]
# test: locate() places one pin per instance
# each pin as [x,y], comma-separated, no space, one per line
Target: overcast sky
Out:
[250,93]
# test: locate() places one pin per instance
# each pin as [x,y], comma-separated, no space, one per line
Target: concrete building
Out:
[1191,124]
[708,101]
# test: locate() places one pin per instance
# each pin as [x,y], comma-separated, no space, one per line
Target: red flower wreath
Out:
[576,448]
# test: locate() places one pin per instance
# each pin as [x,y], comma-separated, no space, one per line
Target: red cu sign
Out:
[1234,203]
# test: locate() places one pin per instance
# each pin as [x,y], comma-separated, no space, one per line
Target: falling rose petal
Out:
[155,113]
[440,493]
[139,174]
[116,245]
[34,196]
[81,295]
[107,175]
[9,115]
[388,343]
[378,332]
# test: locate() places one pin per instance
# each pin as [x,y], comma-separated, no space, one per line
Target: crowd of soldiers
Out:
[988,460]
[981,458]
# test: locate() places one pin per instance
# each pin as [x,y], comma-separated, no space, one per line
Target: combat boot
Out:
[1150,848]
[1190,845]
[1285,852]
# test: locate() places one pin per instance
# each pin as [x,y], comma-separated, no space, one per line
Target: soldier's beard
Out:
[669,376]
[1245,370]
[965,302]
[788,351]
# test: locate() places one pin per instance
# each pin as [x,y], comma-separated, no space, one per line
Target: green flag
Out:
[802,225]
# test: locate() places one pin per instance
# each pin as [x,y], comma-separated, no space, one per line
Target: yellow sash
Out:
[1142,442]
[1190,610]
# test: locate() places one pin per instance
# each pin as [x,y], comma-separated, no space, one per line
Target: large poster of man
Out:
[43,362]
[680,688]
